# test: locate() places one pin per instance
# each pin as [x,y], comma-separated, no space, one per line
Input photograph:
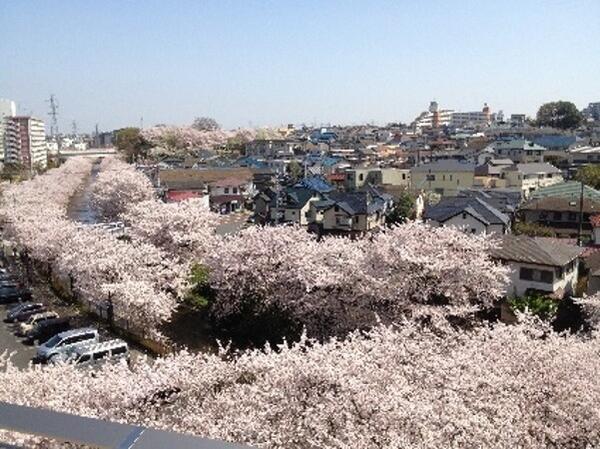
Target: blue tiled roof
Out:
[552,142]
[315,183]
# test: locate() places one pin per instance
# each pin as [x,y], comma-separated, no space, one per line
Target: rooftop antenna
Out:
[53,115]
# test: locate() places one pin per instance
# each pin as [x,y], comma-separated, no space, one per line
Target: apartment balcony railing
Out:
[66,428]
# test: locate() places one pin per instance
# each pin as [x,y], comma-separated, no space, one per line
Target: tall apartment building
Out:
[25,142]
[8,108]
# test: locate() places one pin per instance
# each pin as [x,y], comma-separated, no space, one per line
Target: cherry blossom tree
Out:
[336,285]
[117,186]
[394,387]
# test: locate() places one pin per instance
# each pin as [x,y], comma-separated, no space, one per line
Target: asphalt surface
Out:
[22,354]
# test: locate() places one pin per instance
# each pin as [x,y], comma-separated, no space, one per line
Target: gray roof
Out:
[452,206]
[532,168]
[444,165]
[538,251]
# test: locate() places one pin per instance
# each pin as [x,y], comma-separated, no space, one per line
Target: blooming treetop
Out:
[337,284]
[118,186]
[395,387]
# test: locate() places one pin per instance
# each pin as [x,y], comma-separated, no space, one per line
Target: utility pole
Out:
[580,227]
[53,115]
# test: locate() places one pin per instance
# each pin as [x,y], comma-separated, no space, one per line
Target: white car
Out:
[33,320]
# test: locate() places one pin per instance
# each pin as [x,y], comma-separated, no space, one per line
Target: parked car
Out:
[13,294]
[24,311]
[63,343]
[24,328]
[96,353]
[47,329]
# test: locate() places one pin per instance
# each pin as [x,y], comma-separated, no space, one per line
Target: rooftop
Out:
[538,251]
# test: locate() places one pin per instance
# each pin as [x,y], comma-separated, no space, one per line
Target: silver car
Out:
[95,353]
[61,344]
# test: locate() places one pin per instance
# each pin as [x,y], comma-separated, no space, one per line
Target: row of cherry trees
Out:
[520,386]
[330,286]
[407,385]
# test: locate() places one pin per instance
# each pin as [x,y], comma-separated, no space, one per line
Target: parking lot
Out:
[22,353]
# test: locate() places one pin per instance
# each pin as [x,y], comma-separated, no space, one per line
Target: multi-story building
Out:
[25,142]
[471,119]
[519,150]
[8,108]
[445,177]
[436,118]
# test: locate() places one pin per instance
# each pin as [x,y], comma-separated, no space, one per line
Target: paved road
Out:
[9,342]
[232,223]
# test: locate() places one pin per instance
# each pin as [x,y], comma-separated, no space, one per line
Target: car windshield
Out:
[52,342]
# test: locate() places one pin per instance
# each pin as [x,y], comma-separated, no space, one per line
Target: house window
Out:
[559,272]
[572,216]
[526,274]
[464,215]
[546,277]
[430,178]
[337,209]
[473,230]
[235,190]
[403,175]
[557,216]
[361,177]
[226,190]
[443,177]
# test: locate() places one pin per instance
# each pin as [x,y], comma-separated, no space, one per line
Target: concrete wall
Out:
[445,183]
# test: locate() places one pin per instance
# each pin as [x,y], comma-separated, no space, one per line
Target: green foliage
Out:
[295,170]
[14,173]
[532,230]
[130,142]
[537,304]
[559,114]
[200,293]
[589,175]
[404,209]
[205,124]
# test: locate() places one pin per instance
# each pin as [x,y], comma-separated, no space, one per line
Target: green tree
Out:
[537,304]
[404,209]
[559,114]
[589,175]
[295,170]
[205,124]
[129,141]
[200,294]
[532,230]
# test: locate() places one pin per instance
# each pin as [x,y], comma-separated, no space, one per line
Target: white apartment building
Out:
[25,142]
[8,108]
[437,118]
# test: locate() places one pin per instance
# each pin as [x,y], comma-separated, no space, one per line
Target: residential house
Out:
[558,208]
[182,184]
[349,212]
[445,177]
[529,177]
[519,150]
[539,265]
[470,214]
[230,194]
[356,178]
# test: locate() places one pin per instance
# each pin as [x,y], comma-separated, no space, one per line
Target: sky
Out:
[267,63]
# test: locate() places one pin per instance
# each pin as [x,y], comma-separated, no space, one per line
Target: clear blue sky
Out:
[273,62]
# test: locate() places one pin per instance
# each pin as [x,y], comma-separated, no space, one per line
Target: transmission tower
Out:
[74,128]
[53,115]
